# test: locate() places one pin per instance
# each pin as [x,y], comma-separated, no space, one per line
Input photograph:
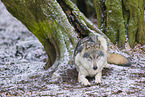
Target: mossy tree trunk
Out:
[54,23]
[118,18]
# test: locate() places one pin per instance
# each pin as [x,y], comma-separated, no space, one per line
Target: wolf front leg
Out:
[82,79]
[106,65]
[98,77]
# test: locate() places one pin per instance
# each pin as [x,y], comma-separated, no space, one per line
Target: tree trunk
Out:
[53,23]
[116,18]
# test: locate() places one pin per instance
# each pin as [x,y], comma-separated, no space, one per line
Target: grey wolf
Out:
[91,55]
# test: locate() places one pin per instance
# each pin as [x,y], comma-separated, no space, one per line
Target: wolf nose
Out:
[95,67]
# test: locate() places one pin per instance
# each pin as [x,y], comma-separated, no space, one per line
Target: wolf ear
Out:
[103,43]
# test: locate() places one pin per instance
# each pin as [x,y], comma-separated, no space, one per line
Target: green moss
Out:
[101,13]
[98,11]
[141,33]
[132,7]
[115,23]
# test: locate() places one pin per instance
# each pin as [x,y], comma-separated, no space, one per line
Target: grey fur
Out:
[90,58]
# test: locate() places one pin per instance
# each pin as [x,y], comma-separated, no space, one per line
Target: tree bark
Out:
[117,18]
[115,28]
[47,21]
[141,22]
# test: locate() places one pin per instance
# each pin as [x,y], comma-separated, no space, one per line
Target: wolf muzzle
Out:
[95,67]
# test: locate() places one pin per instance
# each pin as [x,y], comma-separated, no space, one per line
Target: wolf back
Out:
[112,58]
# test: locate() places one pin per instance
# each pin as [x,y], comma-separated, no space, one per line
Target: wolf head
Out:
[94,54]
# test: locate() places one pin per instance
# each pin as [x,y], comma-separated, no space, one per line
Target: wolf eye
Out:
[96,57]
[89,58]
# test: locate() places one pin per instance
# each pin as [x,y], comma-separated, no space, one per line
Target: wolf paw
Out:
[87,84]
[97,81]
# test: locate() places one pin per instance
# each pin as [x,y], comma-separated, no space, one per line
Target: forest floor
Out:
[22,58]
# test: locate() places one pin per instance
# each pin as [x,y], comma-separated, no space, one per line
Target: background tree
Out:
[118,18]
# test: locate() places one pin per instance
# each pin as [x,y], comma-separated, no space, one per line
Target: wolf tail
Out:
[118,59]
